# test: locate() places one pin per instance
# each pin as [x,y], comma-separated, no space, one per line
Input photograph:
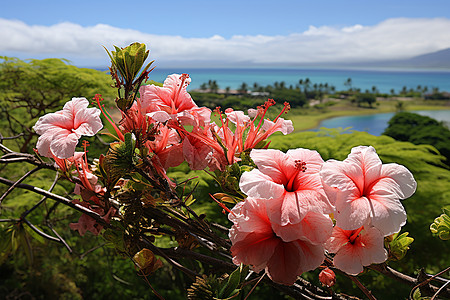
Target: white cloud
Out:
[391,39]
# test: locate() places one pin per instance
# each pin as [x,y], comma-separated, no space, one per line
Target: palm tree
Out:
[203,86]
[374,90]
[243,88]
[213,86]
[348,84]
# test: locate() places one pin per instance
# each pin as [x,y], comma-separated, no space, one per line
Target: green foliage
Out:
[225,287]
[294,97]
[441,225]
[419,129]
[126,64]
[398,245]
[30,89]
[368,98]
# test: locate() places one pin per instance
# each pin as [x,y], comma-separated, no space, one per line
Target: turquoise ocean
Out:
[383,79]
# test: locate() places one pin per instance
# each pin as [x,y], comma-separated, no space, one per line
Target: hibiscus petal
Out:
[63,145]
[271,162]
[196,155]
[367,161]
[292,259]
[288,209]
[258,185]
[352,211]
[339,175]
[389,214]
[402,176]
[154,98]
[77,104]
[251,216]
[312,159]
[348,259]
[315,228]
[255,249]
[53,122]
[43,145]
[339,238]
[159,116]
[171,156]
[283,267]
[374,251]
[312,256]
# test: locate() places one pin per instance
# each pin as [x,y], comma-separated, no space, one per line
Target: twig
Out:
[389,272]
[60,199]
[253,288]
[43,234]
[153,289]
[362,288]
[91,250]
[14,185]
[440,290]
[43,198]
[433,288]
[60,238]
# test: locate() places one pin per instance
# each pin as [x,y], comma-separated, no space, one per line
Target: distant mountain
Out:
[434,60]
[438,59]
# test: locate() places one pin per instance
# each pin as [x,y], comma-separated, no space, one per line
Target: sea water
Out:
[376,123]
[383,79]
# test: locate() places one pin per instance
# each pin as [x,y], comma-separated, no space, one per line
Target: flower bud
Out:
[327,277]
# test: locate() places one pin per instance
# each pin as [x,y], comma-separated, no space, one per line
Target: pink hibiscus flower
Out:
[59,132]
[356,248]
[365,191]
[86,223]
[289,182]
[255,243]
[174,100]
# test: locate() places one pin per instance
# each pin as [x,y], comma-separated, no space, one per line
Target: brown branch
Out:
[60,199]
[14,185]
[389,272]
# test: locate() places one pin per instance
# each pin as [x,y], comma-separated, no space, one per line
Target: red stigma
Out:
[300,165]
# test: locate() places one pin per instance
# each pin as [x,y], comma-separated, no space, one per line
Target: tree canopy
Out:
[32,88]
[417,129]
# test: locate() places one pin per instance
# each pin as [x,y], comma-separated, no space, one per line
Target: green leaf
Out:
[190,200]
[441,225]
[399,246]
[232,284]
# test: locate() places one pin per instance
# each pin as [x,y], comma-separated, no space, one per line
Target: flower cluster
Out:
[298,210]
[284,224]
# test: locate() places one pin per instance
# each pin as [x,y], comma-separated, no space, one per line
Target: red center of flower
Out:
[300,166]
[355,234]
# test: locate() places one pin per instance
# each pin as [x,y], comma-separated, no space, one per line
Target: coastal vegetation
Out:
[417,129]
[89,267]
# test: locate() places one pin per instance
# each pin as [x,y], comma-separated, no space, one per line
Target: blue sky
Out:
[242,32]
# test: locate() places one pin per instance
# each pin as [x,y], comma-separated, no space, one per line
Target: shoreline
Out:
[313,121]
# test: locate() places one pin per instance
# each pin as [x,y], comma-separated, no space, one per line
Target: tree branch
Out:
[60,199]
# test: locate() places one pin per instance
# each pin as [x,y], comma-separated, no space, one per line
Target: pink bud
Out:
[327,277]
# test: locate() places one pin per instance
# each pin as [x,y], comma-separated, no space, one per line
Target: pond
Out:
[376,123]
